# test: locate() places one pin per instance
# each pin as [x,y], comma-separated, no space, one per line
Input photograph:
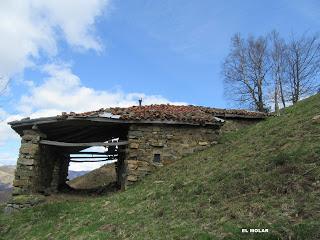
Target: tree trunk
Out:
[276,96]
[260,97]
[282,94]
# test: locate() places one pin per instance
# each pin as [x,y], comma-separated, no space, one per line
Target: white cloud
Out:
[75,18]
[31,27]
[9,140]
[7,158]
[6,133]
[63,91]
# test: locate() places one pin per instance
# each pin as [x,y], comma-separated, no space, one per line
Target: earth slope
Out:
[96,178]
[266,176]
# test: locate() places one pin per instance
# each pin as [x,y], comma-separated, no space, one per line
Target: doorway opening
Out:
[95,169]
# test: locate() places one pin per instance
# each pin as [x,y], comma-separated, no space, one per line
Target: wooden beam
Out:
[90,144]
[112,121]
[119,150]
[94,157]
[105,160]
[91,153]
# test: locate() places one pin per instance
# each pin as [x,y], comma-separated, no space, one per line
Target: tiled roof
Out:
[165,112]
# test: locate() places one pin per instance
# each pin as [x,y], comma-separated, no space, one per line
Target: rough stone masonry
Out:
[152,146]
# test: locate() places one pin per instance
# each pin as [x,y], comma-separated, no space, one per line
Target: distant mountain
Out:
[5,195]
[6,179]
[4,186]
[6,176]
[75,174]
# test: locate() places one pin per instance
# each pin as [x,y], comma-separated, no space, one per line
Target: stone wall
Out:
[40,170]
[26,175]
[152,146]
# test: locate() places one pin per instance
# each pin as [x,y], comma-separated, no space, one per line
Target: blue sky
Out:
[82,55]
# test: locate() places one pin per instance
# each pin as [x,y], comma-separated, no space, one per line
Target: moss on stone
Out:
[33,199]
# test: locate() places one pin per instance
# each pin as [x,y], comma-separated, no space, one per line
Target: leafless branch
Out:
[245,69]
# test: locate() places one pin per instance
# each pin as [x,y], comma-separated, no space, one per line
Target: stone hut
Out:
[140,138]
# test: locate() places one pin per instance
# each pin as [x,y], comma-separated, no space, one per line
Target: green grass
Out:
[264,176]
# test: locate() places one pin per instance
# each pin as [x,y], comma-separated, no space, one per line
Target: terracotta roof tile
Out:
[166,112]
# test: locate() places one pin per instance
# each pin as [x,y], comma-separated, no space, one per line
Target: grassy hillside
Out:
[5,195]
[265,176]
[96,178]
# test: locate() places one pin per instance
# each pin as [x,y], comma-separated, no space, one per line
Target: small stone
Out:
[29,132]
[203,143]
[142,163]
[133,155]
[316,119]
[134,145]
[108,228]
[133,137]
[169,136]
[24,167]
[132,166]
[25,175]
[9,209]
[156,129]
[157,144]
[159,181]
[132,178]
[20,183]
[28,137]
[144,170]
[26,161]
[30,149]
[36,139]
[135,134]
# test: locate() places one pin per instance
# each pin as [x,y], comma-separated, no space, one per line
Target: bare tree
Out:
[245,70]
[303,66]
[278,51]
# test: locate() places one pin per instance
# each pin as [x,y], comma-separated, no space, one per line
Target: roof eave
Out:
[48,120]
